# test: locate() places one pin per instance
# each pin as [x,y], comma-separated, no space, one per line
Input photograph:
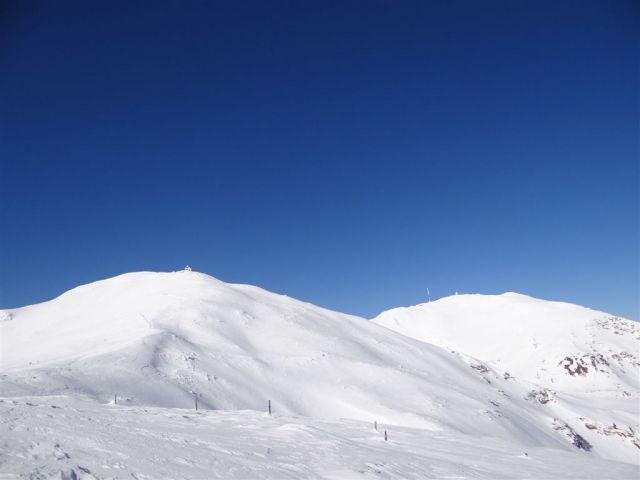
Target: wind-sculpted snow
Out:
[64,438]
[164,339]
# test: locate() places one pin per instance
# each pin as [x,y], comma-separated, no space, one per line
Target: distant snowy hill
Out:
[162,339]
[581,362]
[555,344]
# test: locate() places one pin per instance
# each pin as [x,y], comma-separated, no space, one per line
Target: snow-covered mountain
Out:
[578,361]
[163,339]
[555,344]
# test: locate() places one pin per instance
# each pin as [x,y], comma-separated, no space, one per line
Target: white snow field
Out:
[66,438]
[159,340]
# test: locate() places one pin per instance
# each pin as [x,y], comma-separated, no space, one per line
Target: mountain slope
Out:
[550,343]
[162,339]
[583,365]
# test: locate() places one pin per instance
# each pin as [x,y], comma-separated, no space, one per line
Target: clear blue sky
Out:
[350,154]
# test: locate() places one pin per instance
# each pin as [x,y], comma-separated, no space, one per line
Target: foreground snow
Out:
[61,437]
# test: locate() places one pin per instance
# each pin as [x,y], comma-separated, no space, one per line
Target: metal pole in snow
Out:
[385,435]
[196,401]
[269,407]
[115,399]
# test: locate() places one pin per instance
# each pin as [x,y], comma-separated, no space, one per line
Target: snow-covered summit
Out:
[162,338]
[581,364]
[551,343]
[106,315]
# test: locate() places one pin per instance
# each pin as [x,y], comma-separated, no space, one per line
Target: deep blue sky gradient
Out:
[350,154]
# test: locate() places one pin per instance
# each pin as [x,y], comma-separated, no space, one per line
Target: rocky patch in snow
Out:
[570,434]
[613,429]
[542,396]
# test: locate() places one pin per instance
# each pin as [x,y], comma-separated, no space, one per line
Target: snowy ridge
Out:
[159,338]
[581,364]
[162,339]
[551,343]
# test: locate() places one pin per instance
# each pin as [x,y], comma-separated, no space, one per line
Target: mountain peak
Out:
[528,336]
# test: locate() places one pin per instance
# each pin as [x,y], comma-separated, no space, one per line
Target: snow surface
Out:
[159,340]
[65,438]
